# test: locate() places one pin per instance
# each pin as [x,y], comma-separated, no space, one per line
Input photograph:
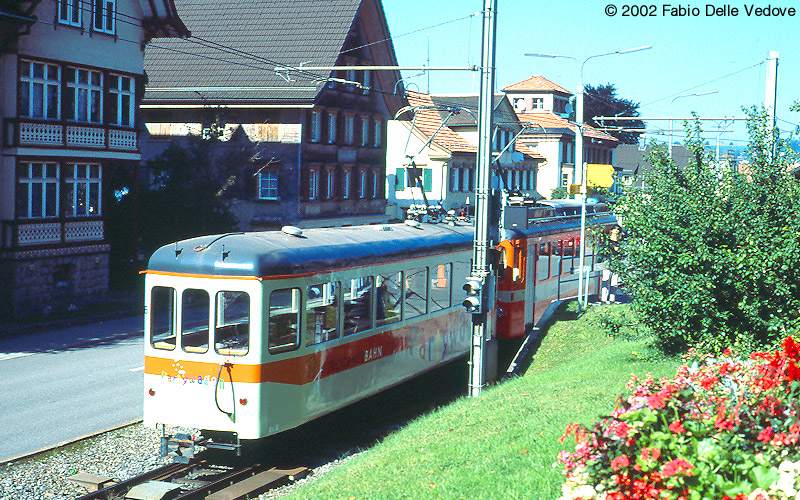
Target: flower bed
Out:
[723,428]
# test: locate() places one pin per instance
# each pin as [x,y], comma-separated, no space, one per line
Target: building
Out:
[317,136]
[72,79]
[542,105]
[441,138]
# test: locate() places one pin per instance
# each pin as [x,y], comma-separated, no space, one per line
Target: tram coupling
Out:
[184,447]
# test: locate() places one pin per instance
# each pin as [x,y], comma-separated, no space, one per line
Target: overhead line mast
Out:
[482,277]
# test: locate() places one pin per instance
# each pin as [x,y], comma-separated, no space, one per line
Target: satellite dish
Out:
[517,157]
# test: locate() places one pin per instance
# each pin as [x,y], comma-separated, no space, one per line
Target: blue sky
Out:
[690,54]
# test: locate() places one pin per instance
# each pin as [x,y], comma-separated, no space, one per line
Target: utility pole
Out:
[481,284]
[771,95]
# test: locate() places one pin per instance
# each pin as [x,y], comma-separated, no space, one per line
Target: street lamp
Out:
[670,113]
[580,168]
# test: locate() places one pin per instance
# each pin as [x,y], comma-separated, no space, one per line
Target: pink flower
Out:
[677,466]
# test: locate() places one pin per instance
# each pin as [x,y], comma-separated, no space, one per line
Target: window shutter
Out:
[427,179]
[400,179]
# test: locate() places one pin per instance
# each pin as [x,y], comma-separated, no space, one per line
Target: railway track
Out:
[200,480]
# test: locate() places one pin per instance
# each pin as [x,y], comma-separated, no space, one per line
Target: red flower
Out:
[620,462]
[766,435]
[677,427]
[677,466]
[791,348]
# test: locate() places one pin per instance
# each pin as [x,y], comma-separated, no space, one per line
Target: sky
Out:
[699,51]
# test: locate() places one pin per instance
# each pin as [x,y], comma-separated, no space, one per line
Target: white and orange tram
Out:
[251,334]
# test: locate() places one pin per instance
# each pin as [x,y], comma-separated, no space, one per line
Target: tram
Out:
[248,335]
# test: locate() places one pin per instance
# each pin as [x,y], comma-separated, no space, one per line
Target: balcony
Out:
[42,233]
[24,132]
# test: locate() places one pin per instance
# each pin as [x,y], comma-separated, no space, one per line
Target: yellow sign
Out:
[598,174]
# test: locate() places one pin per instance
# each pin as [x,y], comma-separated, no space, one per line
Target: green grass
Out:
[503,444]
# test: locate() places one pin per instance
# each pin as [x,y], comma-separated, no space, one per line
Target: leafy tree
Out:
[187,195]
[602,100]
[712,256]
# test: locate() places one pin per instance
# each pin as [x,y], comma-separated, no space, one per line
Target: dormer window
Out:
[519,104]
[103,13]
[537,103]
[69,12]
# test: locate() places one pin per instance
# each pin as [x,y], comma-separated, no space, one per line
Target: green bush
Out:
[711,255]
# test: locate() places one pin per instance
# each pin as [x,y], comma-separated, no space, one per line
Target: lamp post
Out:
[670,113]
[580,168]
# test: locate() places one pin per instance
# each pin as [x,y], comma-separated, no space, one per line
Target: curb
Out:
[68,442]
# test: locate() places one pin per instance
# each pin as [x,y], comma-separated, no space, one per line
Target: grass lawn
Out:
[502,445]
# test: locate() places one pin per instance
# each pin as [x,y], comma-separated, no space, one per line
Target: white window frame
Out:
[268,185]
[537,103]
[90,90]
[365,130]
[70,12]
[349,129]
[346,180]
[313,184]
[104,13]
[330,188]
[41,177]
[35,106]
[331,128]
[378,132]
[455,179]
[316,126]
[119,94]
[84,190]
[362,184]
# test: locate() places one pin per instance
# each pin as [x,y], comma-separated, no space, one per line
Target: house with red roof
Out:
[72,80]
[433,150]
[317,137]
[540,104]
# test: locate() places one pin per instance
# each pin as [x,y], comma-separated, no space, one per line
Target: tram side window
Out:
[543,263]
[232,329]
[441,282]
[555,259]
[284,318]
[194,320]
[357,304]
[388,298]
[162,317]
[322,313]
[416,292]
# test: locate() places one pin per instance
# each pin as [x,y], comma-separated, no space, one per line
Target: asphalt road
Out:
[62,384]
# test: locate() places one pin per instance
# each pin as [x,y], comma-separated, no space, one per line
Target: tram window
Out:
[542,263]
[284,318]
[357,303]
[441,282]
[322,313]
[416,292]
[232,330]
[194,320]
[162,317]
[388,298]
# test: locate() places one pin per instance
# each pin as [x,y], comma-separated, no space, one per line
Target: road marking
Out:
[140,369]
[14,355]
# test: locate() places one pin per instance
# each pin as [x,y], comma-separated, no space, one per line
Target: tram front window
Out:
[284,318]
[232,326]
[194,320]
[162,317]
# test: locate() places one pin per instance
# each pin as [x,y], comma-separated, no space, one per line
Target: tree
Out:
[602,100]
[187,195]
[712,256]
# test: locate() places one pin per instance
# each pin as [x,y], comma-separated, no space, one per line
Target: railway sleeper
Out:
[259,483]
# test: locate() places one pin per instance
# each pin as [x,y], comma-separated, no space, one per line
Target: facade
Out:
[72,80]
[444,149]
[317,137]
[540,104]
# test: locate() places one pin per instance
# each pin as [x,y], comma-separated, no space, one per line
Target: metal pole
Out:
[581,178]
[481,329]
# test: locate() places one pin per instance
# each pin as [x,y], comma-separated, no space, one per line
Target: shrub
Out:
[724,428]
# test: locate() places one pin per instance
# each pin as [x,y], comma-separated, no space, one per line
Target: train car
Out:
[539,256]
[251,334]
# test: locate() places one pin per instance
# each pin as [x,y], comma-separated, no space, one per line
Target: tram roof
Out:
[275,253]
